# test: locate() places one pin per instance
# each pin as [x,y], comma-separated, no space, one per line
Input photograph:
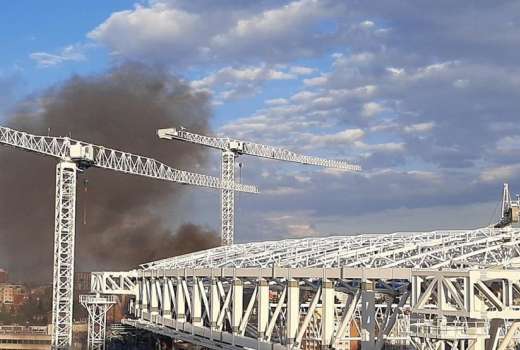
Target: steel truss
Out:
[228,198]
[429,290]
[282,308]
[437,249]
[272,308]
[75,155]
[63,280]
[233,148]
[254,149]
[107,158]
[97,307]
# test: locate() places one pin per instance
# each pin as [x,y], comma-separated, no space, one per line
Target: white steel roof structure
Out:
[455,249]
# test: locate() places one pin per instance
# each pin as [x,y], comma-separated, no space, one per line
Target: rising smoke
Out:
[122,220]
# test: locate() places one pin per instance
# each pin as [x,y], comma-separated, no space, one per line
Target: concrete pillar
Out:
[293,309]
[167,299]
[237,308]
[214,304]
[181,301]
[154,299]
[146,296]
[262,307]
[368,316]
[327,313]
[196,303]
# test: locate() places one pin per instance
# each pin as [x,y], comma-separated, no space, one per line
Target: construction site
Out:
[445,289]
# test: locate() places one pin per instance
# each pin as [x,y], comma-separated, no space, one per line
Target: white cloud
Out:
[367,24]
[239,82]
[277,101]
[187,34]
[370,109]
[301,70]
[500,173]
[380,147]
[419,128]
[347,136]
[461,83]
[231,76]
[71,53]
[316,81]
[133,32]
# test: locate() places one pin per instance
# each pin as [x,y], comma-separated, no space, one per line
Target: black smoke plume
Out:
[122,220]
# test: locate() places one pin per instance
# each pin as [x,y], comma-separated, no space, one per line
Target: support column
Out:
[181,302]
[196,303]
[262,307]
[214,304]
[154,298]
[97,307]
[367,316]
[167,299]
[327,317]
[145,297]
[238,309]
[138,299]
[228,197]
[293,310]
[64,232]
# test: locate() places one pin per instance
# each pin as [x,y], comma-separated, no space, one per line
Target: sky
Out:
[424,95]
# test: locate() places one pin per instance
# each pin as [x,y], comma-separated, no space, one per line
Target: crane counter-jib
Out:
[87,155]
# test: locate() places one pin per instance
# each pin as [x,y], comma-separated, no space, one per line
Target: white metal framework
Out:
[437,249]
[75,155]
[233,148]
[430,290]
[97,307]
[281,308]
[63,280]
[228,198]
[86,154]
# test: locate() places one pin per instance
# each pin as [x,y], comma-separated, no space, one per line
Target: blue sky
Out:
[425,97]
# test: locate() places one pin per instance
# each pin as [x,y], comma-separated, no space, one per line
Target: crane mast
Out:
[232,148]
[74,156]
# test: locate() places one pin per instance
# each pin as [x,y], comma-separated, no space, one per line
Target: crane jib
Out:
[87,155]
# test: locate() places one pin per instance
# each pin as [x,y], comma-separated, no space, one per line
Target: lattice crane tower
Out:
[74,156]
[231,149]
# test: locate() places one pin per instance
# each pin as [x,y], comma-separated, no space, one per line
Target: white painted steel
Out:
[97,307]
[439,249]
[254,149]
[228,198]
[107,158]
[231,149]
[76,155]
[63,279]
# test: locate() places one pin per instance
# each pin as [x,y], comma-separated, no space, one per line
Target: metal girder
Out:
[228,198]
[74,155]
[309,295]
[118,283]
[254,149]
[456,249]
[97,307]
[88,154]
[233,148]
[403,306]
[64,232]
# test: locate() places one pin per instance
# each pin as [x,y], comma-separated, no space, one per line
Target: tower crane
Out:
[231,149]
[74,156]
